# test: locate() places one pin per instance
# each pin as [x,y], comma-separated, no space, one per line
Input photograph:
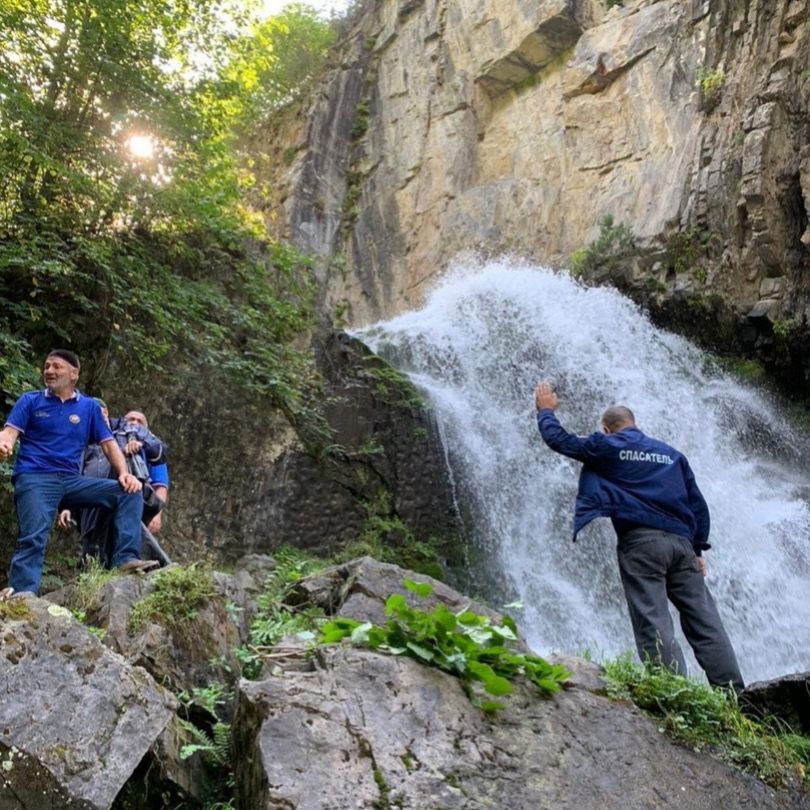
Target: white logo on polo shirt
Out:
[74,419]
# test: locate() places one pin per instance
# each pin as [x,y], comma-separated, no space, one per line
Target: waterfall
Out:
[477,348]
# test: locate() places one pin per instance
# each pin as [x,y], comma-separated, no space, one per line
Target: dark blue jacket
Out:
[630,477]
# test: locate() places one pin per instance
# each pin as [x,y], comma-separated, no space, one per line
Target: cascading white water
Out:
[477,349]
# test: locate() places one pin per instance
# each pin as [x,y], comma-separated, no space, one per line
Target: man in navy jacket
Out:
[661,519]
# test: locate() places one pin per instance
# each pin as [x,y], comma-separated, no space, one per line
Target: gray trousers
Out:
[658,566]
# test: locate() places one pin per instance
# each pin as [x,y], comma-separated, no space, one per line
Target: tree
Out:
[123,233]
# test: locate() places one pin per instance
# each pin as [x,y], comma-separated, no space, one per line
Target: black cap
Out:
[64,354]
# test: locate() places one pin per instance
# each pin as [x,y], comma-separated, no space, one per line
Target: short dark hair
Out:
[71,358]
[617,415]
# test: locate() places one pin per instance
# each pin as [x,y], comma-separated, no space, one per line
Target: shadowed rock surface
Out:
[786,698]
[75,718]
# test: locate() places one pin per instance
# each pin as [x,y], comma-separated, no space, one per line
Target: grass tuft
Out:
[701,716]
[87,589]
[177,595]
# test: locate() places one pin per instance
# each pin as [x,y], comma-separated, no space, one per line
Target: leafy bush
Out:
[711,87]
[464,644]
[613,243]
[701,716]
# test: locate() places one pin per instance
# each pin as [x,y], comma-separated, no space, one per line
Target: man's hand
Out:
[544,397]
[63,521]
[156,523]
[129,483]
[701,565]
[133,447]
[8,438]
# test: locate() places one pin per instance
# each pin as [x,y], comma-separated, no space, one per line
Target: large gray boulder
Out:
[75,718]
[368,730]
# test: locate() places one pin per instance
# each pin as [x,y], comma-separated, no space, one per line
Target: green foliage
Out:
[711,84]
[687,248]
[605,252]
[274,618]
[396,387]
[751,371]
[209,737]
[611,3]
[361,119]
[177,595]
[123,231]
[783,328]
[387,538]
[85,595]
[274,63]
[464,644]
[700,716]
[14,610]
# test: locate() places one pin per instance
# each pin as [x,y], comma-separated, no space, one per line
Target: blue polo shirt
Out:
[55,433]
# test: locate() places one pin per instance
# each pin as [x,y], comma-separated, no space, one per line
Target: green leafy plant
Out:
[711,84]
[387,538]
[274,618]
[209,736]
[177,595]
[606,251]
[783,328]
[464,644]
[700,716]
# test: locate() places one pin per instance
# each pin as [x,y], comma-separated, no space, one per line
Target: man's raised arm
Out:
[554,434]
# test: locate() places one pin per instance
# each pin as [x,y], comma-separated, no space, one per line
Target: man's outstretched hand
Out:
[544,397]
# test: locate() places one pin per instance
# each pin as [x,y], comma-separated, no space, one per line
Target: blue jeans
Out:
[37,497]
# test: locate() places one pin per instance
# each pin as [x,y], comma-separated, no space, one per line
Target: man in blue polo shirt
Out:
[661,519]
[54,427]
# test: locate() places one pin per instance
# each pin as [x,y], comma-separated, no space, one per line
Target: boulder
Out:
[368,730]
[76,719]
[786,698]
[358,590]
[188,653]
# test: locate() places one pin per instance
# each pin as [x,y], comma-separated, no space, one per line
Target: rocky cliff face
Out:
[513,126]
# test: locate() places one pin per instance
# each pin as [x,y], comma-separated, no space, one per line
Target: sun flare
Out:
[141,147]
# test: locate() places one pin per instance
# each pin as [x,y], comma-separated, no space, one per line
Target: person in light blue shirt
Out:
[661,519]
[53,427]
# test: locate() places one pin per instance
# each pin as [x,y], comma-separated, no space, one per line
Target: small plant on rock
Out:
[613,243]
[274,618]
[177,596]
[711,87]
[464,644]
